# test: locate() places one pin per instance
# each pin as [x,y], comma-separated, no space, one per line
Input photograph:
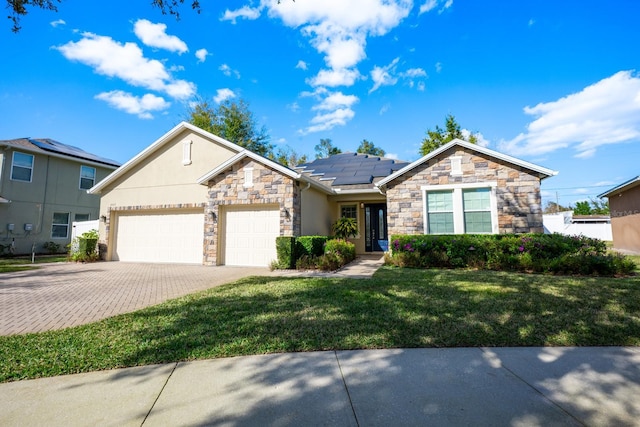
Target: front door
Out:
[375,225]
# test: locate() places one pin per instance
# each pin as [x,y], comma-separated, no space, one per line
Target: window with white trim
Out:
[477,210]
[60,225]
[460,208]
[349,211]
[440,212]
[87,177]
[21,167]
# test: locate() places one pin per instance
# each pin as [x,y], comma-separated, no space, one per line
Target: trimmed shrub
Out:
[337,252]
[311,245]
[552,253]
[285,249]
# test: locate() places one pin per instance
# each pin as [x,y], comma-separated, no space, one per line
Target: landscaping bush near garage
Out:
[540,253]
[313,252]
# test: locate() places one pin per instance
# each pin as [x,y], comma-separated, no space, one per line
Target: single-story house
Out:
[193,197]
[624,207]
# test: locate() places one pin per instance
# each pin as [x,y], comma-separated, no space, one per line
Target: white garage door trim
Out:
[250,235]
[162,237]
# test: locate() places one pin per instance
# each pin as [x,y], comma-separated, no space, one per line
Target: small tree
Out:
[288,157]
[325,149]
[367,147]
[345,227]
[439,137]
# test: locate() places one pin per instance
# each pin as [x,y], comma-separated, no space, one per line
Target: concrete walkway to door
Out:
[57,296]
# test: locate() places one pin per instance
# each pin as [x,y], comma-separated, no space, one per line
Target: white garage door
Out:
[250,236]
[158,237]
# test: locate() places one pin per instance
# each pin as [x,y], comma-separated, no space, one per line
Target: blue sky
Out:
[554,83]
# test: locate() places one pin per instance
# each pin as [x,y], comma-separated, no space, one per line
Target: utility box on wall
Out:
[28,227]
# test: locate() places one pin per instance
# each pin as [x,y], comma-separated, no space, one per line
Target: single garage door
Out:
[160,237]
[250,236]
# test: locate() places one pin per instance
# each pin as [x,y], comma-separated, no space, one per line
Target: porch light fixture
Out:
[361,205]
[103,218]
[214,217]
[287,215]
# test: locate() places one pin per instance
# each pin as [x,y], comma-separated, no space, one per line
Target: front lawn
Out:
[397,308]
[8,265]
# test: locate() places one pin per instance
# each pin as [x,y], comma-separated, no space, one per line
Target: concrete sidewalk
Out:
[593,386]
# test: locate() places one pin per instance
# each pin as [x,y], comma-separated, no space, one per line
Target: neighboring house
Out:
[43,189]
[624,205]
[193,197]
[594,226]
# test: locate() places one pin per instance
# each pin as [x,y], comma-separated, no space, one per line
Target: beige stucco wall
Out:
[54,187]
[625,219]
[316,212]
[162,180]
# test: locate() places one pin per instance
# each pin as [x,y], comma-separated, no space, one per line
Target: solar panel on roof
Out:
[69,150]
[352,180]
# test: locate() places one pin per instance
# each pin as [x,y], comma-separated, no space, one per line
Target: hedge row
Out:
[310,252]
[542,253]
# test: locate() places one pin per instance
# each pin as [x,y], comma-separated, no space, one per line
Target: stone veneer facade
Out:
[517,192]
[269,187]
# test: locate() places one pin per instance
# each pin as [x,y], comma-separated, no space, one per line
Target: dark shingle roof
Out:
[50,145]
[351,168]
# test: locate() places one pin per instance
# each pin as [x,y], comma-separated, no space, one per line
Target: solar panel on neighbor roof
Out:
[69,150]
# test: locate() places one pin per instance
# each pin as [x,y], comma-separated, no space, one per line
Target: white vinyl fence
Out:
[564,223]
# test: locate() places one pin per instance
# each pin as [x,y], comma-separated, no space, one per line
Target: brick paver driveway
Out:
[57,296]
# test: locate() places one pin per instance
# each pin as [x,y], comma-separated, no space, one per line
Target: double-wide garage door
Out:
[160,237]
[248,239]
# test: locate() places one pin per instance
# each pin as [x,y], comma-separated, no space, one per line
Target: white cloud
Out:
[202,54]
[421,86]
[335,101]
[480,139]
[228,71]
[223,95]
[323,122]
[302,65]
[244,12]
[125,61]
[415,72]
[430,5]
[393,156]
[340,34]
[607,112]
[384,108]
[294,107]
[438,67]
[381,76]
[333,78]
[531,22]
[140,106]
[57,23]
[154,35]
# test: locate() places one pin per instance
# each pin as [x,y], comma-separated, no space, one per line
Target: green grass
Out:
[8,265]
[397,308]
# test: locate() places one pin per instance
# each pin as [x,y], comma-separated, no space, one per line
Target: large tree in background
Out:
[20,8]
[234,122]
[367,147]
[325,149]
[439,137]
[288,157]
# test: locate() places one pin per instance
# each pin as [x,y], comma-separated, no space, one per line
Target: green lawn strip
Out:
[8,265]
[397,308]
